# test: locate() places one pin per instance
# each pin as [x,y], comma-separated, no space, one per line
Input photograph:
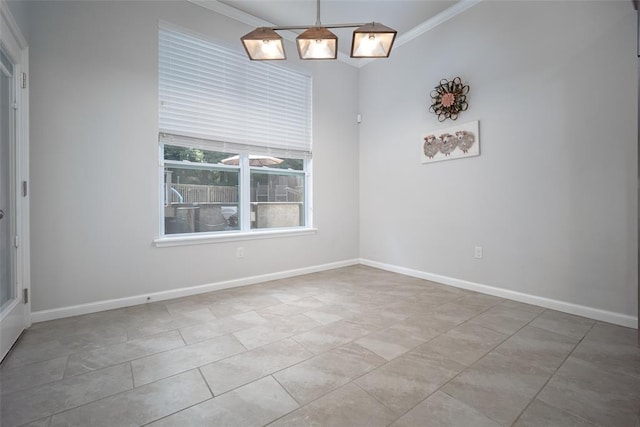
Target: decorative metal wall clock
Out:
[449,98]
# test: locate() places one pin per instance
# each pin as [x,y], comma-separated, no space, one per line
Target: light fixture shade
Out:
[372,40]
[317,43]
[263,44]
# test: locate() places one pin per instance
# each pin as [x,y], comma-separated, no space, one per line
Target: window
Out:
[235,140]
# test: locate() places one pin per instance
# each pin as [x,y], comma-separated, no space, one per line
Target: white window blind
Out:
[212,93]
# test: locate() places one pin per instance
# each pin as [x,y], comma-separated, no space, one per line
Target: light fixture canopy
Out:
[317,43]
[372,40]
[263,44]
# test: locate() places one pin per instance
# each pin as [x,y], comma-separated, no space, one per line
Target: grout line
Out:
[66,366]
[133,378]
[205,381]
[553,375]
[371,395]
[300,405]
[51,415]
[181,410]
[182,338]
[468,321]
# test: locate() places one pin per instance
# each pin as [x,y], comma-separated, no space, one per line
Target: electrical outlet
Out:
[240,252]
[478,252]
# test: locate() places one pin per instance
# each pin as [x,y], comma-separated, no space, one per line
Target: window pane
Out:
[199,198]
[283,163]
[277,199]
[196,155]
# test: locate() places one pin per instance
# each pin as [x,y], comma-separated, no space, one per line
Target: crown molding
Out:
[429,24]
[417,31]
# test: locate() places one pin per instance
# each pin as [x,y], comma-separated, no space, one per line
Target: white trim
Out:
[417,31]
[24,175]
[232,236]
[12,25]
[428,25]
[566,307]
[76,310]
[434,21]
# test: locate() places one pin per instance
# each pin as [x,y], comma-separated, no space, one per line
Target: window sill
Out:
[233,236]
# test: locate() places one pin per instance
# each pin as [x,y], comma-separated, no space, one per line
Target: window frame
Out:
[244,203]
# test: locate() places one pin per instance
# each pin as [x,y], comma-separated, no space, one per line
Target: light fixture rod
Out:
[317,13]
[306,27]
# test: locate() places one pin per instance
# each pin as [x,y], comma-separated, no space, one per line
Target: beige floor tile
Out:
[347,406]
[44,422]
[87,361]
[504,319]
[221,326]
[601,397]
[35,403]
[537,347]
[184,304]
[464,344]
[243,368]
[283,310]
[255,404]
[498,386]
[442,410]
[20,378]
[290,308]
[275,330]
[140,405]
[375,317]
[392,342]
[407,380]
[323,317]
[41,348]
[455,313]
[428,325]
[540,414]
[162,365]
[330,336]
[249,300]
[177,320]
[522,306]
[563,324]
[223,309]
[480,301]
[319,375]
[610,347]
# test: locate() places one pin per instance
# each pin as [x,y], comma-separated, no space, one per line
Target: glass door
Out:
[12,308]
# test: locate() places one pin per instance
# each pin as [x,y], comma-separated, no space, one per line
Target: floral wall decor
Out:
[454,142]
[449,98]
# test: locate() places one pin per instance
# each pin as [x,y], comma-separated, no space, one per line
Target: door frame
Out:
[15,45]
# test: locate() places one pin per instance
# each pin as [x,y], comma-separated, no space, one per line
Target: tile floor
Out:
[349,347]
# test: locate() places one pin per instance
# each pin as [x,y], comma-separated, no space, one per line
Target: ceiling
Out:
[401,15]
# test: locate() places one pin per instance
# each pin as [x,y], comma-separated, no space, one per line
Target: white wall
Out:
[552,197]
[94,174]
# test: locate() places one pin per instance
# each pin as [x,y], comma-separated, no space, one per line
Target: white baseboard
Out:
[93,307]
[566,307]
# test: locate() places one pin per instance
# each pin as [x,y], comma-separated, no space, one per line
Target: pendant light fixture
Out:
[263,44]
[370,40]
